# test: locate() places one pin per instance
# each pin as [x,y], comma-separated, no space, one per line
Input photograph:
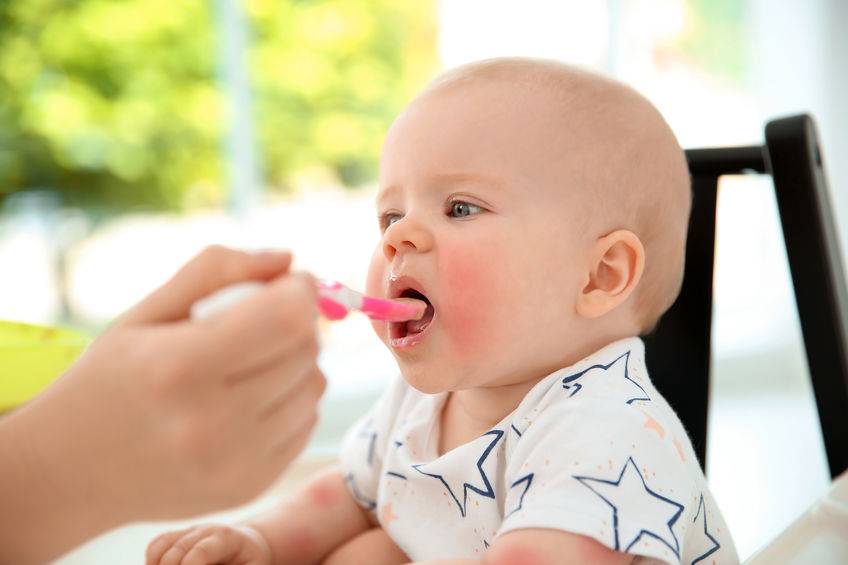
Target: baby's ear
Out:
[617,263]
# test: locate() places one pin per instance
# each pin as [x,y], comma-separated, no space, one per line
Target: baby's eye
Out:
[388,218]
[459,209]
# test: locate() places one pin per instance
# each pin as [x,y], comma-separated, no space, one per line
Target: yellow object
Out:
[31,357]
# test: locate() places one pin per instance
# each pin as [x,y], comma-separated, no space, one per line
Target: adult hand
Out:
[163,417]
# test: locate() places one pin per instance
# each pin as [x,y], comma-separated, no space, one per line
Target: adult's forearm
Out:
[49,504]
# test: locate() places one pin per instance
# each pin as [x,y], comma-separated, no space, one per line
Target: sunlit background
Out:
[135,132]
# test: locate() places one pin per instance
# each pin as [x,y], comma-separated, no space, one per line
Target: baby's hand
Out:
[202,545]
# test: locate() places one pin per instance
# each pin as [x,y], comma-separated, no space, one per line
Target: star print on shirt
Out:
[629,390]
[388,514]
[708,542]
[527,480]
[370,434]
[357,494]
[487,442]
[636,509]
[398,445]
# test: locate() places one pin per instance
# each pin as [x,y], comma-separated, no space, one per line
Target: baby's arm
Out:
[374,547]
[543,547]
[321,518]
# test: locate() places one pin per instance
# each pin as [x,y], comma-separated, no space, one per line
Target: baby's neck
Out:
[469,413]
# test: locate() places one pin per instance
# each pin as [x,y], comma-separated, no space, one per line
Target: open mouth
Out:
[400,330]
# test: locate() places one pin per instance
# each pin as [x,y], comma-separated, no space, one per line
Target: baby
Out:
[541,212]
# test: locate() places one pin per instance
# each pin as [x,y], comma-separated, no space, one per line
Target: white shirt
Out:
[592,449]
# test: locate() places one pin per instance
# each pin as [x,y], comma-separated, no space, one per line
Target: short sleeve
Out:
[364,445]
[606,470]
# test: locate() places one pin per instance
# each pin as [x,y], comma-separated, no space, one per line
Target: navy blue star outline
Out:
[515,429]
[670,523]
[529,480]
[398,445]
[368,432]
[567,381]
[488,493]
[576,386]
[349,478]
[716,545]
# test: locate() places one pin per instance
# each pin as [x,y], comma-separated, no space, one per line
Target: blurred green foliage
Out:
[115,103]
[716,38]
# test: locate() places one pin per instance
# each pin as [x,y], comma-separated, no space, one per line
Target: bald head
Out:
[612,148]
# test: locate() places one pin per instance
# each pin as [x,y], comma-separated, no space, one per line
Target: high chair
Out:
[680,343]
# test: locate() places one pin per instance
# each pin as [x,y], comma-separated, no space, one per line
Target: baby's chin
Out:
[422,381]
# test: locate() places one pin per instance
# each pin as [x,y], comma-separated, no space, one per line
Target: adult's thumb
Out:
[212,269]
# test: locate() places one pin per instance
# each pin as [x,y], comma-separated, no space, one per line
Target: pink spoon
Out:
[334,302]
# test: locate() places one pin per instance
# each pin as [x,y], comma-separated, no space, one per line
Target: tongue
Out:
[417,326]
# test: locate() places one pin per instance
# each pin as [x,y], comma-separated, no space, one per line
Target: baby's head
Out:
[542,210]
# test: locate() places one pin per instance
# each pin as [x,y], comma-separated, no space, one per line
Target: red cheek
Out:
[469,292]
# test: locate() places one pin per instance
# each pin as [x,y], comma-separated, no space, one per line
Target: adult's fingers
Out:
[302,399]
[266,453]
[241,344]
[258,388]
[278,319]
[284,452]
[214,268]
[285,422]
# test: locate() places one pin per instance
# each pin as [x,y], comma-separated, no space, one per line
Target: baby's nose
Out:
[406,236]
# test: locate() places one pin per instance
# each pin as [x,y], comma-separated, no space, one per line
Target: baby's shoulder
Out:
[591,394]
[612,388]
[603,408]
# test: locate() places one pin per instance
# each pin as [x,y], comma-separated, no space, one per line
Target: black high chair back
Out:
[677,352]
